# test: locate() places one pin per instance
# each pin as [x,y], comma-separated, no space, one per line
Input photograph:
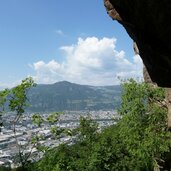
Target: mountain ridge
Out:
[65,95]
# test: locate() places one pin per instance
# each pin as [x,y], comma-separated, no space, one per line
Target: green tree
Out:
[138,141]
[143,125]
[87,129]
[72,157]
[18,101]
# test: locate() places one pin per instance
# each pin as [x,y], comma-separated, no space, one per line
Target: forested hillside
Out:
[69,96]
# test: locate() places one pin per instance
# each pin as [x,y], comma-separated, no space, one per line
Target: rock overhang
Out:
[148,23]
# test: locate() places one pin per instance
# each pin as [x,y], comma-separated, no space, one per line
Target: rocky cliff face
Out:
[148,23]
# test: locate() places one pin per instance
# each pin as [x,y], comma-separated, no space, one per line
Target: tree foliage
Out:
[138,141]
[15,100]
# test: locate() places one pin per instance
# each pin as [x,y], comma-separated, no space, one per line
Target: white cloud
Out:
[91,61]
[47,72]
[59,32]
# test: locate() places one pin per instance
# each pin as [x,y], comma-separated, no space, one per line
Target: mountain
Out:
[69,96]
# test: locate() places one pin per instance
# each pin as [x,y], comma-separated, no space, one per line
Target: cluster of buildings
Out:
[28,136]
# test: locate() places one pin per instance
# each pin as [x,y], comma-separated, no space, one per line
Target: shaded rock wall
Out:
[148,23]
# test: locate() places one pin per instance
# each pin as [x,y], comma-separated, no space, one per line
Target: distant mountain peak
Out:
[63,82]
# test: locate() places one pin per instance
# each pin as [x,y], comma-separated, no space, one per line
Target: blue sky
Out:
[63,40]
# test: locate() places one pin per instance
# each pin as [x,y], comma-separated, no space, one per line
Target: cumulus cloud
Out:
[91,61]
[47,72]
